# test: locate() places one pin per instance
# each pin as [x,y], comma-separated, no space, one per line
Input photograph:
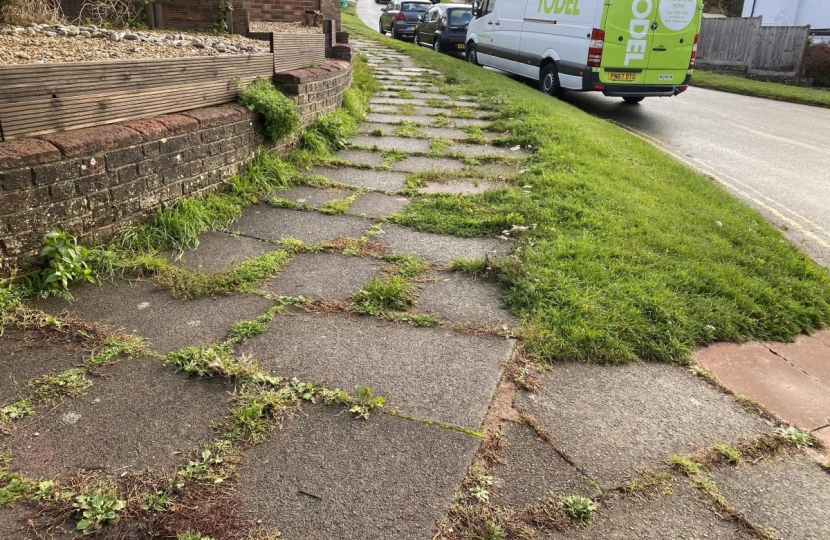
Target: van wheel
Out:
[549,80]
[436,44]
[633,100]
[472,56]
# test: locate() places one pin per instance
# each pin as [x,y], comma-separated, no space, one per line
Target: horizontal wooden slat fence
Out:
[294,51]
[744,44]
[44,98]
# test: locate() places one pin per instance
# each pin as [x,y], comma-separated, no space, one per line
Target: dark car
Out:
[444,27]
[401,16]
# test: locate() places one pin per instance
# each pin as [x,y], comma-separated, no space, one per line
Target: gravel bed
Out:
[44,43]
[284,27]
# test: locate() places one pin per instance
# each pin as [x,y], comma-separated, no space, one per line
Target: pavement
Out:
[474,440]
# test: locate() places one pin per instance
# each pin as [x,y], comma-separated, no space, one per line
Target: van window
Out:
[491,5]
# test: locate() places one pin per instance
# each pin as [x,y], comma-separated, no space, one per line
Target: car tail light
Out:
[595,47]
[400,16]
[694,52]
[681,89]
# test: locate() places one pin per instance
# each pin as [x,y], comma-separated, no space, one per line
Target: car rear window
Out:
[459,16]
[414,6]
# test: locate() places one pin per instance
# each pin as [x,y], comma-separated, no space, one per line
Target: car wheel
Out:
[633,100]
[436,44]
[380,28]
[417,38]
[472,55]
[394,34]
[549,80]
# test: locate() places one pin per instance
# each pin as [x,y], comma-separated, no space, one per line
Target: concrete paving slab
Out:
[378,205]
[479,150]
[681,514]
[141,416]
[465,300]
[824,433]
[396,118]
[808,354]
[532,471]
[439,248]
[391,89]
[791,496]
[311,196]
[615,420]
[420,164]
[219,252]
[28,354]
[168,324]
[431,373]
[460,187]
[448,103]
[402,144]
[327,475]
[823,336]
[360,157]
[365,178]
[270,223]
[752,370]
[323,276]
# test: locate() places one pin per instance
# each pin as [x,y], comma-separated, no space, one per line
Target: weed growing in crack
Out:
[795,436]
[404,94]
[365,403]
[393,293]
[651,484]
[266,172]
[245,329]
[337,206]
[71,382]
[578,508]
[407,109]
[112,347]
[407,129]
[67,263]
[466,113]
[415,319]
[96,509]
[474,267]
[728,452]
[278,202]
[15,411]
[439,146]
[438,103]
[684,464]
[406,266]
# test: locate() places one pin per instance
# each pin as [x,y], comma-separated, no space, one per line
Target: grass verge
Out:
[627,253]
[769,90]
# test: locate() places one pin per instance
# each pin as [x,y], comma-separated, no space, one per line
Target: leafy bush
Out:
[279,113]
[817,64]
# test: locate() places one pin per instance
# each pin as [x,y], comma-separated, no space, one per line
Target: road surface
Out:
[774,156]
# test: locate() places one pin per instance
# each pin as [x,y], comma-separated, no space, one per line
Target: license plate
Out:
[622,76]
[460,46]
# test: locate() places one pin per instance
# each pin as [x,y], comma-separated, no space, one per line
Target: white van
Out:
[626,48]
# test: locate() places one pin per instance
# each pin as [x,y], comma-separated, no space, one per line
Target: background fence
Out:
[743,44]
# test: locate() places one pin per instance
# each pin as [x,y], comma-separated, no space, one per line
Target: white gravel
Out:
[42,43]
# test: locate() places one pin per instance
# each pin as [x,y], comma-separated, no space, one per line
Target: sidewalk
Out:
[474,439]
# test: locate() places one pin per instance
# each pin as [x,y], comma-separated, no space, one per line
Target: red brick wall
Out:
[91,182]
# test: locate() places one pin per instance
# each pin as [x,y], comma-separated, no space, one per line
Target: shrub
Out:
[25,11]
[817,64]
[279,114]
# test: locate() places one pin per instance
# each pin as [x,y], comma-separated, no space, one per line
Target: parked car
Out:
[444,27]
[401,16]
[631,49]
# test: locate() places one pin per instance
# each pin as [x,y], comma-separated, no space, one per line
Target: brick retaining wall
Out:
[91,182]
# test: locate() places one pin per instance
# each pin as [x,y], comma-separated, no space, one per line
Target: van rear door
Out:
[648,41]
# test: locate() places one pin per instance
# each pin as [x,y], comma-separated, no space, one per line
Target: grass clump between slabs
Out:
[391,293]
[634,255]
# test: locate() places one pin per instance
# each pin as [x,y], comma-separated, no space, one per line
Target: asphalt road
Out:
[774,156]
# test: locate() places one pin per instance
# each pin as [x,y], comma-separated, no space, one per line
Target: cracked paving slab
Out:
[439,248]
[140,416]
[28,354]
[378,205]
[365,178]
[449,103]
[614,420]
[402,144]
[532,471]
[791,495]
[312,196]
[323,276]
[680,514]
[424,132]
[168,324]
[465,300]
[397,118]
[365,157]
[219,252]
[269,223]
[328,475]
[461,187]
[433,373]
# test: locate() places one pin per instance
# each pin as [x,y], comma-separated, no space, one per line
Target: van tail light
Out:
[694,52]
[595,47]
[400,16]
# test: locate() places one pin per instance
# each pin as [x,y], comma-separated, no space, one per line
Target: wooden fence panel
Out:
[294,51]
[44,98]
[742,42]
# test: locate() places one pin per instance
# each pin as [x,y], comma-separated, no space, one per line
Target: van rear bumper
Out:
[590,81]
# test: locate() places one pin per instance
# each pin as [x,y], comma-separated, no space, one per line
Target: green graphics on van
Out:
[564,7]
[649,41]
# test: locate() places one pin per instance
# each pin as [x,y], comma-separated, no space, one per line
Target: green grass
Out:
[629,254]
[770,90]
